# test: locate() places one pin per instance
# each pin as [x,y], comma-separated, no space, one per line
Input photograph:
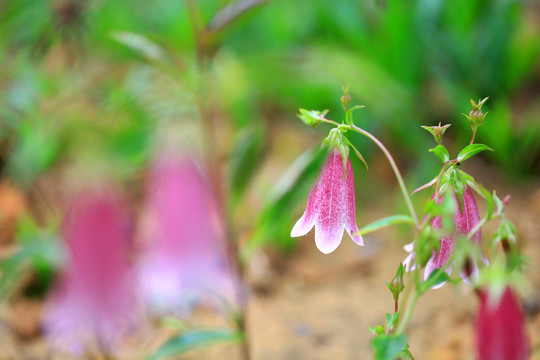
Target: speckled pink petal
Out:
[468,217]
[331,206]
[440,258]
[333,202]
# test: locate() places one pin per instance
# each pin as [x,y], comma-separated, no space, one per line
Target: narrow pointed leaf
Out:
[425,186]
[471,150]
[193,339]
[245,158]
[348,142]
[385,222]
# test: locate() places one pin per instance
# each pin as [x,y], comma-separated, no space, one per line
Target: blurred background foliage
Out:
[83,79]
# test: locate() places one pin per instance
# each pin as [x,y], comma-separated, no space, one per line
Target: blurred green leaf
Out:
[385,222]
[437,277]
[246,157]
[389,347]
[190,340]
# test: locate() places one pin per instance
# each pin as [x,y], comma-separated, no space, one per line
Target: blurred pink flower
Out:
[94,302]
[331,206]
[186,258]
[500,328]
[465,220]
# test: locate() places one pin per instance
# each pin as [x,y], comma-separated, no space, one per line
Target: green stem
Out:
[410,308]
[473,136]
[394,168]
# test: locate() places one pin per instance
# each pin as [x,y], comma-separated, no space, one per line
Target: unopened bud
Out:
[397,286]
[476,116]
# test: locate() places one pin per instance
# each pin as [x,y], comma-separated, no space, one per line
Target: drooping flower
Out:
[331,206]
[185,259]
[466,219]
[500,328]
[94,303]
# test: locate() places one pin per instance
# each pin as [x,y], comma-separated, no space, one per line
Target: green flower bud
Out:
[437,131]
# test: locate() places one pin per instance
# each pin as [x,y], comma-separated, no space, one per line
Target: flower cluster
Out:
[104,289]
[465,220]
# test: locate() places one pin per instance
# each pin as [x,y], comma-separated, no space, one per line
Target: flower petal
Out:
[356,238]
[302,226]
[328,239]
[408,262]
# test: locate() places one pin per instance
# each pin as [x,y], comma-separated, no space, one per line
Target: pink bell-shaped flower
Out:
[94,303]
[465,220]
[331,206]
[185,260]
[500,328]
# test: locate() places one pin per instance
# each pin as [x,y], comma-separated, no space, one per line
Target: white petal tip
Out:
[358,239]
[326,250]
[301,227]
[327,242]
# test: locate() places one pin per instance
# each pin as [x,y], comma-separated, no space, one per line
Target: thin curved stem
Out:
[410,308]
[473,136]
[394,168]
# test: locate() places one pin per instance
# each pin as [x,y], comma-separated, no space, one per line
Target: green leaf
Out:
[441,152]
[378,330]
[389,347]
[12,269]
[244,160]
[193,339]
[471,150]
[435,278]
[385,222]
[392,320]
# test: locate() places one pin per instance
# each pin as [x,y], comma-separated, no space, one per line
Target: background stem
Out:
[394,168]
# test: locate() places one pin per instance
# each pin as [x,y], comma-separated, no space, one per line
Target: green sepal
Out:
[348,142]
[458,184]
[349,114]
